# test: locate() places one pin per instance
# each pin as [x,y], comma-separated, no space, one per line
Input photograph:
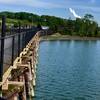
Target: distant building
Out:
[46,30]
[45,27]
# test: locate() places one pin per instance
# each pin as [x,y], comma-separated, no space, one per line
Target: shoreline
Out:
[67,37]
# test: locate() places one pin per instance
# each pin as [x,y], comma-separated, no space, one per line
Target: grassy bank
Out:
[58,36]
[9,22]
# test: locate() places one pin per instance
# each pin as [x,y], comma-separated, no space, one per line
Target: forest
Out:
[85,26]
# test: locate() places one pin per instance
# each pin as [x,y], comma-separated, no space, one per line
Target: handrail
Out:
[8,36]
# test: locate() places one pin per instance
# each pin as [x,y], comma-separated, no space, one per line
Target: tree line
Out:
[85,26]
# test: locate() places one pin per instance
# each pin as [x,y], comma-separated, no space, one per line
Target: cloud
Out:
[31,3]
[74,13]
[49,5]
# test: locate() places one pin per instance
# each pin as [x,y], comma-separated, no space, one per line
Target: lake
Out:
[68,70]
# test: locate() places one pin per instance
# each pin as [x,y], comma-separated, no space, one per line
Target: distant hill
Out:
[82,27]
[27,17]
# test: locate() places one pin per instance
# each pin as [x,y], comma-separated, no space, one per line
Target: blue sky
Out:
[58,8]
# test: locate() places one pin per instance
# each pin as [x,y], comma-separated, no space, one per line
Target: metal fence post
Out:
[13,42]
[23,39]
[19,39]
[2,50]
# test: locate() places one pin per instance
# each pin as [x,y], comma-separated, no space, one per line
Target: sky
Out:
[59,8]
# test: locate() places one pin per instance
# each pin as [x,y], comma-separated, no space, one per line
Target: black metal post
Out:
[23,40]
[2,50]
[13,42]
[19,39]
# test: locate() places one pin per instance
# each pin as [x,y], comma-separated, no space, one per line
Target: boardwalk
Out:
[20,78]
[18,58]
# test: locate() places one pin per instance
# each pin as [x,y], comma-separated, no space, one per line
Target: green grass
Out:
[16,21]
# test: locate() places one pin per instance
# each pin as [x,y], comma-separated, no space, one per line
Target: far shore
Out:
[66,37]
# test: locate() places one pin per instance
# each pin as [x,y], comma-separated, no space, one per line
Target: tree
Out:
[88,17]
[39,27]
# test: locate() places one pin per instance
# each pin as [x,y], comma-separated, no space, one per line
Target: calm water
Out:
[68,70]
